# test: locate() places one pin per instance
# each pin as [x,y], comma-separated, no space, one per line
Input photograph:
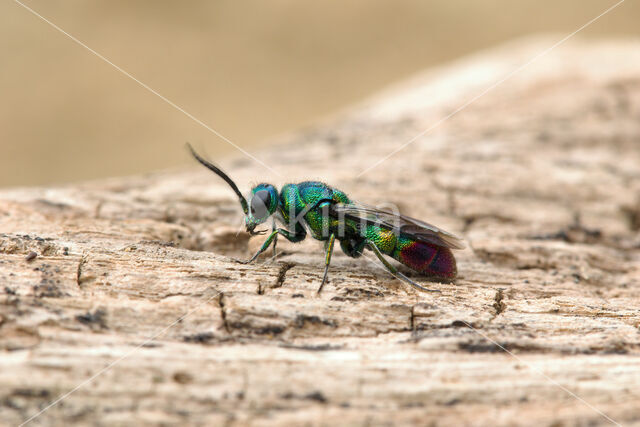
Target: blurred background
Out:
[249,69]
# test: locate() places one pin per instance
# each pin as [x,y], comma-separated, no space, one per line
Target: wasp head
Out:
[263,202]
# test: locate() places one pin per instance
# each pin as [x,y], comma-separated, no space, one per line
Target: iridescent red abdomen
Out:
[425,258]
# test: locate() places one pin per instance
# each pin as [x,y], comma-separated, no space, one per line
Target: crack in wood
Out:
[284,267]
[95,320]
[499,304]
[412,319]
[223,312]
[81,263]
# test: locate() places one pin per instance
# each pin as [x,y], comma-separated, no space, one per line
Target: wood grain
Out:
[540,176]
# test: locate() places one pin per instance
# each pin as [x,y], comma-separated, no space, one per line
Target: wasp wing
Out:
[398,223]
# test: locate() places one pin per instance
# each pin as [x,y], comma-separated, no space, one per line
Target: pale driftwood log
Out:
[541,176]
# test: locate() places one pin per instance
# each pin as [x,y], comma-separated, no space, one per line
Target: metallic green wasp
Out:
[329,215]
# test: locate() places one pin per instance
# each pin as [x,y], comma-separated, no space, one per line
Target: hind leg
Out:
[327,258]
[395,271]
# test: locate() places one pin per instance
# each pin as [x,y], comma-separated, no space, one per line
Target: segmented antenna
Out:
[218,171]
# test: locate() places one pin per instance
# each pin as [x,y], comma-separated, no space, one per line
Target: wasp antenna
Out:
[213,168]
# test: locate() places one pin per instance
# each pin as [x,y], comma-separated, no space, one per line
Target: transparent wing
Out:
[398,223]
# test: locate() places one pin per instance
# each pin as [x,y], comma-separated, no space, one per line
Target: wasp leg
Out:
[292,237]
[395,271]
[275,239]
[263,248]
[327,259]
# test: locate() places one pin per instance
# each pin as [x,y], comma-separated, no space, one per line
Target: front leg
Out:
[263,248]
[275,239]
[292,237]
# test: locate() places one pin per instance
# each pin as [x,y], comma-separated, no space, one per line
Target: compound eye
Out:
[260,203]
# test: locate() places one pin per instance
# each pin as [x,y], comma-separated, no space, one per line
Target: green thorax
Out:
[294,198]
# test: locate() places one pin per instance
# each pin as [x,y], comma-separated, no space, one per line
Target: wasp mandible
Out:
[329,215]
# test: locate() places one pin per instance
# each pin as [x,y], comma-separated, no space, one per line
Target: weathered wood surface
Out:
[541,176]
